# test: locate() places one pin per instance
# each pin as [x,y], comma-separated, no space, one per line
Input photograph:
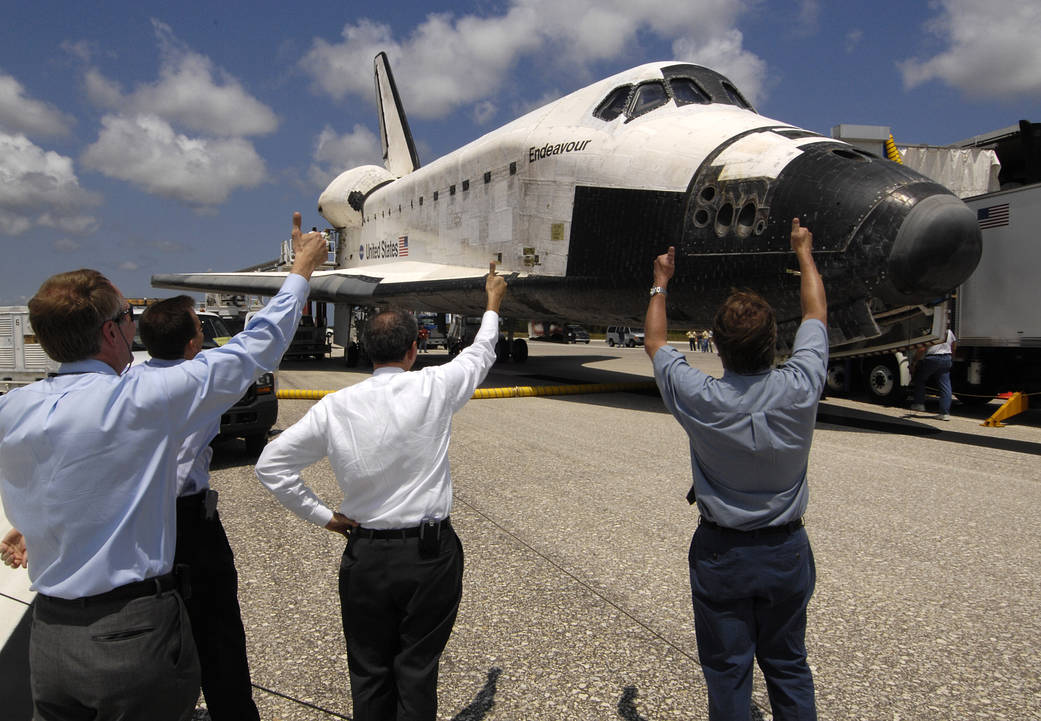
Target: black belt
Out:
[202,505]
[135,589]
[413,532]
[789,527]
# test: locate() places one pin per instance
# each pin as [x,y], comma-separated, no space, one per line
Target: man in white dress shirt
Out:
[172,333]
[387,441]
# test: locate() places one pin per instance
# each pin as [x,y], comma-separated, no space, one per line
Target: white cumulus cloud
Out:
[189,93]
[451,61]
[335,153]
[39,188]
[146,151]
[725,54]
[20,113]
[992,49]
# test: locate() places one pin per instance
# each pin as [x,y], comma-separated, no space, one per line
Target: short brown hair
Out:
[167,326]
[745,332]
[68,311]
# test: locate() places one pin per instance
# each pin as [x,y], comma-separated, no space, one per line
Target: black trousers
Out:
[213,609]
[398,610]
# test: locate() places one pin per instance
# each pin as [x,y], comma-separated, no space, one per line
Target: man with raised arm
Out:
[172,333]
[88,473]
[401,574]
[751,566]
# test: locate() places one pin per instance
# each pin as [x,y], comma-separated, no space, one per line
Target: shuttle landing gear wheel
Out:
[502,350]
[351,355]
[837,382]
[519,351]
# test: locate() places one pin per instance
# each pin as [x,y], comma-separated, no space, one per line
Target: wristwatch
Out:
[656,290]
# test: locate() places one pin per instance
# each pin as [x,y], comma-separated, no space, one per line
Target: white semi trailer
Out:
[22,360]
[996,313]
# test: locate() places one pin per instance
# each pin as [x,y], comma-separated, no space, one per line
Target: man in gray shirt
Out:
[751,567]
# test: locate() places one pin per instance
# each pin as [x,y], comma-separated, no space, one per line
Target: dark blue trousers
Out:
[938,368]
[750,593]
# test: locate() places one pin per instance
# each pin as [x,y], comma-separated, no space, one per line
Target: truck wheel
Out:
[882,379]
[630,343]
[255,443]
[610,342]
[519,352]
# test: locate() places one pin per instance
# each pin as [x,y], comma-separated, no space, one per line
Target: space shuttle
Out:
[576,198]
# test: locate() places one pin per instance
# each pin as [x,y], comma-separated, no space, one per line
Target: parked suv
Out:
[623,335]
[255,413]
[576,333]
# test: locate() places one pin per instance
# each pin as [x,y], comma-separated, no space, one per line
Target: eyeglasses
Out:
[128,311]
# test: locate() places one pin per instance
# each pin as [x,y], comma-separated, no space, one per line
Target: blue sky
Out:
[141,138]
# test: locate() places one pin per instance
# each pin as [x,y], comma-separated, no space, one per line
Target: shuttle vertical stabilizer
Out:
[399,151]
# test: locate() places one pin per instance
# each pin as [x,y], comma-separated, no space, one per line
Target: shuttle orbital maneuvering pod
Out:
[577,198]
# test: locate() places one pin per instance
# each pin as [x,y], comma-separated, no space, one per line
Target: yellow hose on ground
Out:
[507,392]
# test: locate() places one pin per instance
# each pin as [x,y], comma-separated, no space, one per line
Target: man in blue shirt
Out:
[172,333]
[751,566]
[88,473]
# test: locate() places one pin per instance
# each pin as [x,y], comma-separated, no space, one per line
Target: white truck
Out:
[996,313]
[22,360]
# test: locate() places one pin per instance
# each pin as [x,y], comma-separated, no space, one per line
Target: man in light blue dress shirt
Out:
[751,566]
[88,474]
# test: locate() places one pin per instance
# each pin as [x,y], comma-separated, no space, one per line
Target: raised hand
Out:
[309,249]
[802,238]
[665,267]
[495,287]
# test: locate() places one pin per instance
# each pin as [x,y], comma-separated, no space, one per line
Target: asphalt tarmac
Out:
[576,601]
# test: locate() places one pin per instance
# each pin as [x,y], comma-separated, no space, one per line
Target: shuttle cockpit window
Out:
[736,96]
[648,96]
[614,104]
[688,92]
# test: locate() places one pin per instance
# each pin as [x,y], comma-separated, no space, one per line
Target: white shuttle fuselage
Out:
[577,197]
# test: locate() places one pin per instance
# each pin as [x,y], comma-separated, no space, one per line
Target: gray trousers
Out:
[113,660]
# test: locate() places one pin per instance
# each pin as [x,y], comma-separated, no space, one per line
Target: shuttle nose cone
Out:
[936,249]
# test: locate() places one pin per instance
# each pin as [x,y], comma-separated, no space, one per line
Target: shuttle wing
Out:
[368,286]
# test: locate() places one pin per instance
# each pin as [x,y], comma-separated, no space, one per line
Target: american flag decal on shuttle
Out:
[402,246]
[993,216]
